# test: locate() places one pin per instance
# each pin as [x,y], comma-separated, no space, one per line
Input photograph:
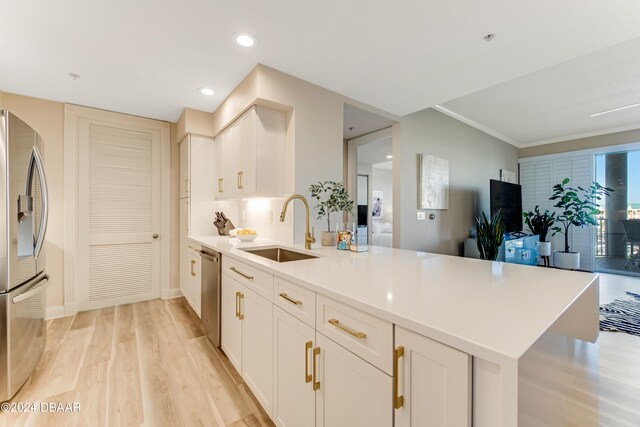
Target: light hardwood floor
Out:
[139,364]
[149,364]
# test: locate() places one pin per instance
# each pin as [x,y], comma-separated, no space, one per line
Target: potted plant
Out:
[489,235]
[578,206]
[540,224]
[331,197]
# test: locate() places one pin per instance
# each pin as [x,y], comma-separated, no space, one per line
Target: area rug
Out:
[621,315]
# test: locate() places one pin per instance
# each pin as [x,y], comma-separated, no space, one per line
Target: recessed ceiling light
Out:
[206,91]
[389,156]
[615,109]
[245,39]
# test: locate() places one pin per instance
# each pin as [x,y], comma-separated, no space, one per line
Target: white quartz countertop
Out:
[492,310]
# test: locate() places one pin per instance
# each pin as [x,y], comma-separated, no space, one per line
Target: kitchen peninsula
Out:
[499,322]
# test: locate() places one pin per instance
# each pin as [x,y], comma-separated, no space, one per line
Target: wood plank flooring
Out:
[143,364]
[149,364]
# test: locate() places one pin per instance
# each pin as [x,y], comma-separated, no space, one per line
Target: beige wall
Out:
[47,118]
[474,158]
[608,140]
[195,122]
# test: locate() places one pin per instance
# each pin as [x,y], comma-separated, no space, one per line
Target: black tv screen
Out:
[507,198]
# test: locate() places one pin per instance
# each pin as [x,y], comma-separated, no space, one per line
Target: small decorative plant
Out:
[331,197]
[578,206]
[539,223]
[489,235]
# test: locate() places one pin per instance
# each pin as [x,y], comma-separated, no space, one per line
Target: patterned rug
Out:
[621,315]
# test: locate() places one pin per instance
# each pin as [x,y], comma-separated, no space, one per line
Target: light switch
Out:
[422,216]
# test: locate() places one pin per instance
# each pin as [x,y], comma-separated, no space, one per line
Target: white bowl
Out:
[247,237]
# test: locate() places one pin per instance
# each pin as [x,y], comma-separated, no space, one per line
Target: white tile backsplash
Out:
[261,214]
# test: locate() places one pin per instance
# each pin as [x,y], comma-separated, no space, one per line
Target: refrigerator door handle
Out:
[36,160]
[31,292]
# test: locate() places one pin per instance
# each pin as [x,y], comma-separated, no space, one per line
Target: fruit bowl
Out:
[247,237]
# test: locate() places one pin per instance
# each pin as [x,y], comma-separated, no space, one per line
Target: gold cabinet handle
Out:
[398,401]
[238,181]
[193,273]
[307,377]
[220,181]
[316,384]
[357,334]
[239,298]
[241,180]
[241,273]
[237,304]
[186,185]
[291,300]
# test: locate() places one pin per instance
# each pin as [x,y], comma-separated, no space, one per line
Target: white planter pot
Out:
[566,260]
[544,248]
[328,238]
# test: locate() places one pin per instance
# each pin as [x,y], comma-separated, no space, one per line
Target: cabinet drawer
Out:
[257,280]
[367,336]
[295,300]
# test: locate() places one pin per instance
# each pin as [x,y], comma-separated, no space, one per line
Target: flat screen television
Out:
[507,198]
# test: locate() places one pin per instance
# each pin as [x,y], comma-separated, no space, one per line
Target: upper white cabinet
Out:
[434,386]
[250,155]
[185,170]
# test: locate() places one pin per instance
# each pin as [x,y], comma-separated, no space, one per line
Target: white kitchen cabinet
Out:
[257,344]
[351,392]
[185,159]
[434,385]
[231,318]
[251,156]
[294,399]
[247,338]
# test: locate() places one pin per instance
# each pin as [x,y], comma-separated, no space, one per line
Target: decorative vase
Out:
[327,238]
[544,249]
[566,260]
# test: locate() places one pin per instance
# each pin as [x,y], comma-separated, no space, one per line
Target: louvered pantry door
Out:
[119,210]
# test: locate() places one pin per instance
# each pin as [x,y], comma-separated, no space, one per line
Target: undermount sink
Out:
[280,254]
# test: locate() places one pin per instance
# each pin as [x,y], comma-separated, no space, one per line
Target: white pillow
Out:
[376,228]
[386,227]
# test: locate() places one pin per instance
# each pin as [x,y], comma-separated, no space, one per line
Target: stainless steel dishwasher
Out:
[211,289]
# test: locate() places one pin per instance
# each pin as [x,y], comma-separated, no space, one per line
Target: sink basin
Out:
[280,254]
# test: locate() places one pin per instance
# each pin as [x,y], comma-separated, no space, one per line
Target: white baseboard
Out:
[55,312]
[70,309]
[170,293]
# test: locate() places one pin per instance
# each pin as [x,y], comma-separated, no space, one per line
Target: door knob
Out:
[155,235]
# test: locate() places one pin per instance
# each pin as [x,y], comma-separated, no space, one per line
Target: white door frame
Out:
[72,115]
[352,174]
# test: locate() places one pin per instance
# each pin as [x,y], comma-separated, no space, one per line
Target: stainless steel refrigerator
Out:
[23,225]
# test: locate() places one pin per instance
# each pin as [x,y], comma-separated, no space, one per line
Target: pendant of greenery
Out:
[331,197]
[578,206]
[539,223]
[490,234]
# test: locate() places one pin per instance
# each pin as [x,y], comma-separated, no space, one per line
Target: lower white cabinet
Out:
[435,383]
[247,337]
[257,344]
[352,392]
[294,399]
[231,318]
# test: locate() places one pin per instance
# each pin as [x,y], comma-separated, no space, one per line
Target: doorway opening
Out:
[369,139]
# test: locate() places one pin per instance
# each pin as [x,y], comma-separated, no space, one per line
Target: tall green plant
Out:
[578,206]
[539,223]
[331,197]
[490,234]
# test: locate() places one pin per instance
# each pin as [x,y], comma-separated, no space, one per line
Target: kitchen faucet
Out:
[308,237]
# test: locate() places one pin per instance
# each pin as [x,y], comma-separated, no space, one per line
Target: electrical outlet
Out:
[421,216]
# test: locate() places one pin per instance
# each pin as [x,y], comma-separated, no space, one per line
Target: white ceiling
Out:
[556,103]
[375,152]
[358,122]
[147,57]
